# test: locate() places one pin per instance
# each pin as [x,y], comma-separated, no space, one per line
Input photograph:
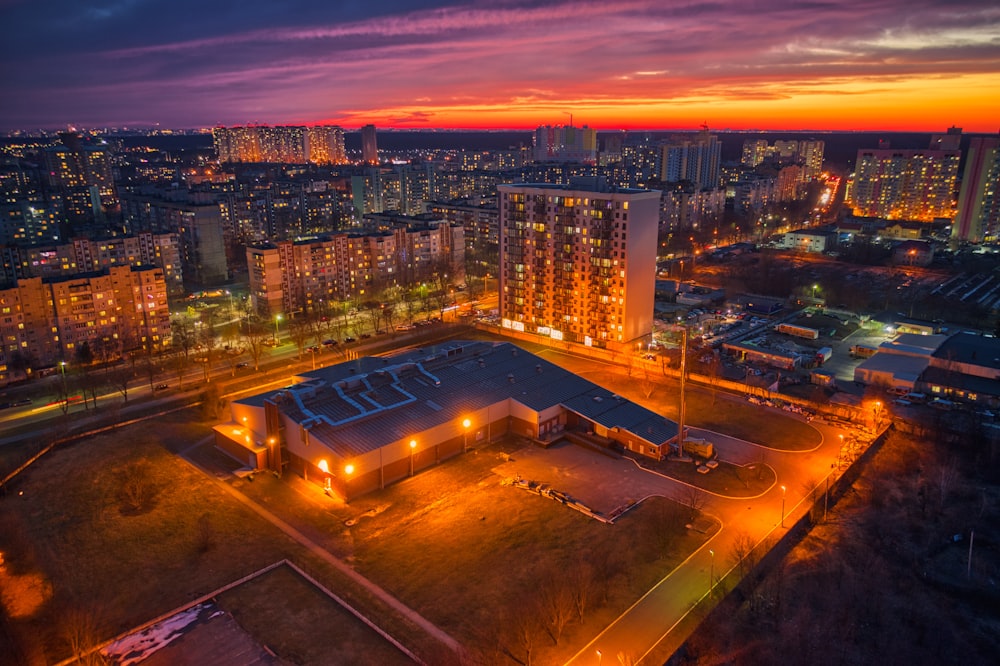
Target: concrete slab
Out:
[601,482]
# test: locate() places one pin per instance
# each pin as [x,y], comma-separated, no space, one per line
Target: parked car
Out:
[329,343]
[350,340]
[242,364]
[161,387]
[364,336]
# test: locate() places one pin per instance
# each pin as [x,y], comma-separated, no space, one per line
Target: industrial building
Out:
[363,424]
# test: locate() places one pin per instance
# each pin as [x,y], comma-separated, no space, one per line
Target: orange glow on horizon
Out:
[969,101]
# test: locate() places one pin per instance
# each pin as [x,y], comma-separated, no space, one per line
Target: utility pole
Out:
[683,409]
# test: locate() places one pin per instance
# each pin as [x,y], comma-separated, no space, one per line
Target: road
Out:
[653,619]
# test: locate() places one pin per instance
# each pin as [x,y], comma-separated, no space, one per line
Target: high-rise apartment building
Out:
[565,144]
[905,184]
[978,216]
[755,151]
[693,159]
[369,145]
[284,144]
[85,255]
[115,311]
[81,174]
[325,145]
[205,238]
[577,262]
[808,153]
[304,275]
[811,157]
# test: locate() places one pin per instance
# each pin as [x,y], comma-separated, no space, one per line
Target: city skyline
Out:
[839,66]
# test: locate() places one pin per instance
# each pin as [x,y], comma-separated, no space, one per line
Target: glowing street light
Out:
[711,574]
[814,291]
[348,471]
[277,320]
[465,435]
[413,447]
[782,506]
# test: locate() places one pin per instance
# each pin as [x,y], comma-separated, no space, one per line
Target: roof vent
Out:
[598,398]
[510,378]
[538,368]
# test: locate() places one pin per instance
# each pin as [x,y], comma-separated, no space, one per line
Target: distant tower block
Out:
[369,146]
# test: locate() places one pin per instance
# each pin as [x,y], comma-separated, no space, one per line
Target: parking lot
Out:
[603,483]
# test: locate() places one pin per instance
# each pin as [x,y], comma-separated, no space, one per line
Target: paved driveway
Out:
[601,482]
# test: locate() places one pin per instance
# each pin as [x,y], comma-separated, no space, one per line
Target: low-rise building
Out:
[365,423]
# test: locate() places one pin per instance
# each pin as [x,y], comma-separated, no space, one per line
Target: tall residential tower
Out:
[369,146]
[978,217]
[578,262]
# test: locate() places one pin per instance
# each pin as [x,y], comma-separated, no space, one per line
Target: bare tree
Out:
[524,628]
[298,331]
[136,487]
[744,555]
[556,604]
[694,500]
[119,377]
[948,475]
[80,629]
[256,335]
[581,580]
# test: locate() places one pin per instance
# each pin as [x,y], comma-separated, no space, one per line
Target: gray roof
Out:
[971,349]
[363,404]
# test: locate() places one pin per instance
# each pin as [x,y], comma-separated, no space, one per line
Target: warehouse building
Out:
[363,424]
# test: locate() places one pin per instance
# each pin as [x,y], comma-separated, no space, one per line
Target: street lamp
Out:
[465,435]
[413,446]
[782,506]
[814,291]
[600,657]
[277,319]
[711,574]
[348,470]
[62,371]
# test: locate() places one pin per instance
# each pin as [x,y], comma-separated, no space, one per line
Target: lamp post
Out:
[711,574]
[348,470]
[62,371]
[277,319]
[814,291]
[782,506]
[600,657]
[413,446]
[465,435]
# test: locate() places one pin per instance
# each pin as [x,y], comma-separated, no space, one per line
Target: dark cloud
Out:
[198,63]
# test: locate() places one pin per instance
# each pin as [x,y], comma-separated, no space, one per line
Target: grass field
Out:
[116,530]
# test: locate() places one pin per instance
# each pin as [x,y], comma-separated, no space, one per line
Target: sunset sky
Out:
[747,64]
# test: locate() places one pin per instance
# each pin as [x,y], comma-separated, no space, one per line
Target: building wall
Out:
[578,264]
[291,276]
[978,216]
[115,311]
[905,184]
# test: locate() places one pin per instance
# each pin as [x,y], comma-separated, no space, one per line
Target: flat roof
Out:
[971,349]
[905,367]
[361,405]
